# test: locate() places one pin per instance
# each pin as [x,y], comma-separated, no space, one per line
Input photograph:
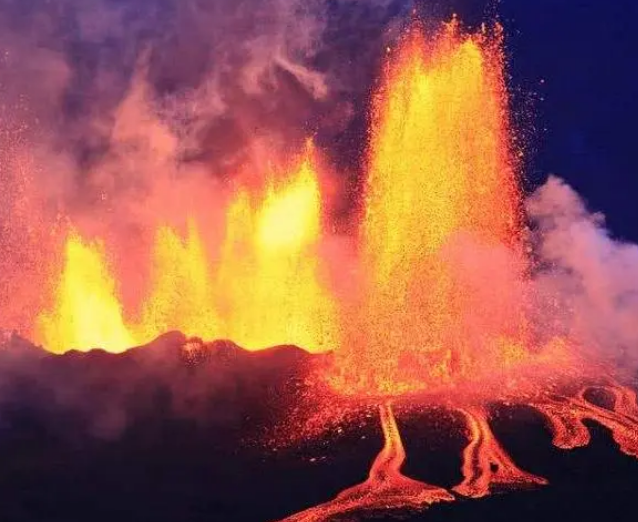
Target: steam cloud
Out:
[590,278]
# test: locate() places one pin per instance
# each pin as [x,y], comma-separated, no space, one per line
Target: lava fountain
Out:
[442,313]
[266,288]
[271,281]
[87,311]
[442,181]
[441,175]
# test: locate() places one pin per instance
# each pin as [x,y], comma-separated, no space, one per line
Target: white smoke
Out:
[590,278]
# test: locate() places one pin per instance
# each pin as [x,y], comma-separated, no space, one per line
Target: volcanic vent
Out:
[437,298]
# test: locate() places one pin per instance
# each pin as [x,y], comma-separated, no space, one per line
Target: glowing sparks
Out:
[87,312]
[440,176]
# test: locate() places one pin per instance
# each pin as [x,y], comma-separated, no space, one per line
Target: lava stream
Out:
[567,418]
[386,487]
[486,464]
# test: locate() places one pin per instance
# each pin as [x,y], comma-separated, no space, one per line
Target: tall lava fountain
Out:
[441,174]
[442,181]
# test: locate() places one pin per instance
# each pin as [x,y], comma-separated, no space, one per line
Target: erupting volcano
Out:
[442,309]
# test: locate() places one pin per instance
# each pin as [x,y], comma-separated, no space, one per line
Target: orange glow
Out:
[567,416]
[440,175]
[386,487]
[266,289]
[87,312]
[486,464]
[270,280]
[181,298]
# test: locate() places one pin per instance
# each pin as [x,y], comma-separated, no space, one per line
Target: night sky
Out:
[585,51]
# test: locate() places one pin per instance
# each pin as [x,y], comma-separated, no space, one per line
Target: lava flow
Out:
[486,464]
[566,416]
[386,487]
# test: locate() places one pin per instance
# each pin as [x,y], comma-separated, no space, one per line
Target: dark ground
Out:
[192,445]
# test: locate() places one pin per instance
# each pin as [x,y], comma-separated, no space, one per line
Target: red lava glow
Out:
[386,488]
[566,416]
[486,465]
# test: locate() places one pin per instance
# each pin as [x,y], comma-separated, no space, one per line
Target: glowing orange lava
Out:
[182,294]
[486,465]
[386,487]
[566,416]
[270,280]
[440,176]
[440,312]
[266,289]
[87,312]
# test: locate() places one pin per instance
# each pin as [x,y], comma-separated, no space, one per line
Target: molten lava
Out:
[566,416]
[182,293]
[440,176]
[270,277]
[266,289]
[441,198]
[486,465]
[87,312]
[386,487]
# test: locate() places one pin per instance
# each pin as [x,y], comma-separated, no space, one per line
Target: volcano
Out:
[440,350]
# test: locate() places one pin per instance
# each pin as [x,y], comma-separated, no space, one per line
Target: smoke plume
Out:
[590,278]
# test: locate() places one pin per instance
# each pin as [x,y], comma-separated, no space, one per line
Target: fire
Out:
[87,312]
[267,288]
[440,175]
[182,294]
[271,280]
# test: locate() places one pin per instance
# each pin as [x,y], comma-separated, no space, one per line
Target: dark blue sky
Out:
[586,53]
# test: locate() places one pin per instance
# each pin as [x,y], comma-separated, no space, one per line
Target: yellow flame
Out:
[87,312]
[181,298]
[270,278]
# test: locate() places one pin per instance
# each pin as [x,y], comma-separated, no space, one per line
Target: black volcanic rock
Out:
[182,430]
